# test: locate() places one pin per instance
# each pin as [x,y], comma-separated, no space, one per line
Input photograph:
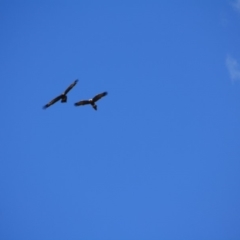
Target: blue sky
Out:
[159,159]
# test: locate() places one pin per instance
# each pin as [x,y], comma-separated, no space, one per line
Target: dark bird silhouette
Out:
[62,97]
[92,100]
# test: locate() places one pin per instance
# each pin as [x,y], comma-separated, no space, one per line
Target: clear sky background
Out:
[159,159]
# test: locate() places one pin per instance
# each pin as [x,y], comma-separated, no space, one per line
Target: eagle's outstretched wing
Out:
[100,95]
[83,102]
[53,101]
[70,87]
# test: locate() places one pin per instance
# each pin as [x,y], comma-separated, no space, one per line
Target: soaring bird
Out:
[62,97]
[92,100]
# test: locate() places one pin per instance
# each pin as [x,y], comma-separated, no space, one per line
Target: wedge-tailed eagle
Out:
[92,100]
[62,97]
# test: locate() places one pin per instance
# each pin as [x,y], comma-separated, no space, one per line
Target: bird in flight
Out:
[92,100]
[62,97]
